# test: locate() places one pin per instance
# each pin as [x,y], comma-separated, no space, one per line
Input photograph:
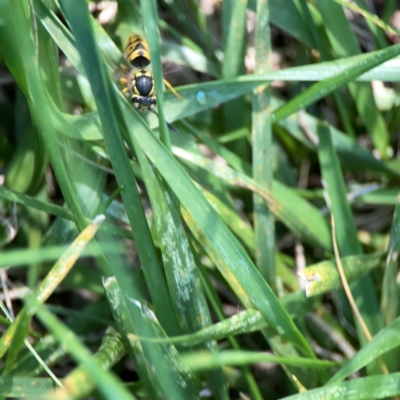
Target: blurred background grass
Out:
[213,274]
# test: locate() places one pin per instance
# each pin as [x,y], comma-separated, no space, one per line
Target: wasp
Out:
[140,82]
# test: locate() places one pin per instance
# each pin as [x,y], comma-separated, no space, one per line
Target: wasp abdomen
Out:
[137,51]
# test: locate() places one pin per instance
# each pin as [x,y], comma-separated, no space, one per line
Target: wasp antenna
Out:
[172,128]
[169,125]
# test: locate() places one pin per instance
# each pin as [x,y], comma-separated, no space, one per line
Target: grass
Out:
[146,263]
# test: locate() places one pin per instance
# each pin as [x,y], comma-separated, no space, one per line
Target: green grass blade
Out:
[374,387]
[286,16]
[384,341]
[199,361]
[60,269]
[234,42]
[322,89]
[346,231]
[150,19]
[21,387]
[389,298]
[344,44]
[264,221]
[324,276]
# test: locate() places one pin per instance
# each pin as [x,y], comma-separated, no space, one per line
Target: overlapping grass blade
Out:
[107,383]
[16,333]
[80,383]
[294,212]
[344,44]
[324,276]
[153,377]
[182,276]
[383,342]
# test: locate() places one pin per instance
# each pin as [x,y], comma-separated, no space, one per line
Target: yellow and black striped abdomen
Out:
[137,51]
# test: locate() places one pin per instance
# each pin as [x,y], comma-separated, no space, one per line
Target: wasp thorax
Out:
[144,85]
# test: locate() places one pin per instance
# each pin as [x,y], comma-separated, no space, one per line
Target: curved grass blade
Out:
[384,341]
[107,383]
[322,89]
[80,383]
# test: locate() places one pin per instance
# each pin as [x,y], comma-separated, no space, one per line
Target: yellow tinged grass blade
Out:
[79,383]
[324,277]
[199,361]
[47,287]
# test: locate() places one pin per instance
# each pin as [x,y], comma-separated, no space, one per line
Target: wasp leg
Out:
[125,83]
[171,88]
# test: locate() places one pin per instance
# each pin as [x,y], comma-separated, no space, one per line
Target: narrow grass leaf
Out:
[22,257]
[384,341]
[165,380]
[346,231]
[219,242]
[200,361]
[324,276]
[389,297]
[150,19]
[264,221]
[21,387]
[374,387]
[322,89]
